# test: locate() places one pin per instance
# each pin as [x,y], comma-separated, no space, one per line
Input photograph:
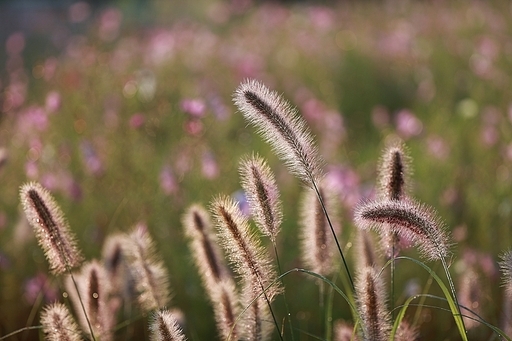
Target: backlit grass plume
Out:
[94,288]
[394,172]
[226,308]
[371,301]
[317,247]
[243,249]
[282,127]
[262,194]
[58,324]
[203,244]
[249,260]
[410,219]
[50,227]
[164,327]
[148,271]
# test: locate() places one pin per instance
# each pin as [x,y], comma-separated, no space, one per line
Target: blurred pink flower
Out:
[345,182]
[79,11]
[137,121]
[438,147]
[167,181]
[209,166]
[195,107]
[110,24]
[53,101]
[407,124]
[15,43]
[91,159]
[193,127]
[31,170]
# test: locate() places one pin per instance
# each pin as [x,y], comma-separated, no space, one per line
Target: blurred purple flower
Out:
[32,119]
[40,284]
[5,263]
[407,124]
[346,183]
[194,107]
[53,101]
[241,199]
[193,127]
[31,170]
[209,166]
[137,121]
[79,11]
[110,23]
[15,43]
[91,159]
[167,181]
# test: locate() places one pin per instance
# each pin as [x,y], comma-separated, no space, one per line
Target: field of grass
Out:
[126,116]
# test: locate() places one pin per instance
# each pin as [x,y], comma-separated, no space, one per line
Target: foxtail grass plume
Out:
[94,288]
[366,250]
[406,332]
[394,178]
[226,307]
[394,172]
[251,263]
[114,263]
[164,327]
[243,249]
[203,244]
[147,270]
[262,194]
[344,332]
[317,248]
[410,219]
[50,227]
[506,268]
[375,319]
[58,324]
[282,127]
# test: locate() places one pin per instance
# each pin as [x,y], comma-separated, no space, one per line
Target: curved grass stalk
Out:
[5,337]
[451,300]
[353,309]
[408,303]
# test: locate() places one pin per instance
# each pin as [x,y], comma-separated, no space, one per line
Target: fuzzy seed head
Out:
[146,268]
[410,219]
[344,332]
[394,172]
[506,269]
[282,127]
[50,227]
[406,332]
[243,250]
[164,327]
[203,244]
[58,325]
[375,319]
[226,307]
[94,288]
[317,244]
[262,193]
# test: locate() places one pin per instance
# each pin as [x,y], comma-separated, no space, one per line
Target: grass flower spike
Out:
[394,172]
[282,127]
[58,325]
[413,220]
[263,196]
[318,249]
[94,288]
[147,270]
[164,327]
[50,227]
[375,319]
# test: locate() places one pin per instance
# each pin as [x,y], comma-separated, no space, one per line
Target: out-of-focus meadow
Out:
[124,112]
